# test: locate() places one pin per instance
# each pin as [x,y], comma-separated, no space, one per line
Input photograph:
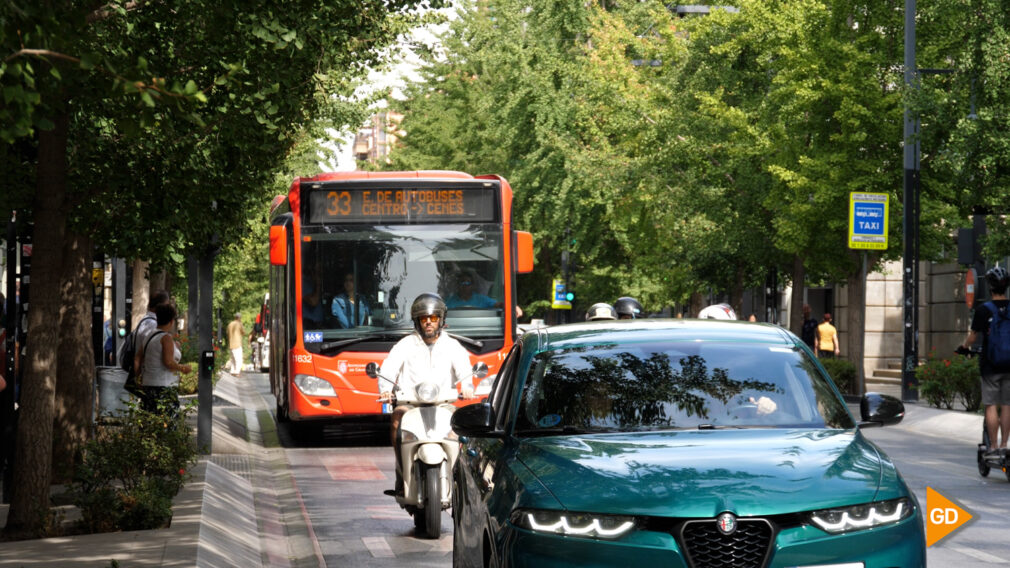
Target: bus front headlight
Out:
[314,386]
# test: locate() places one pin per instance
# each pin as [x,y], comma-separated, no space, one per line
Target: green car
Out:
[676,443]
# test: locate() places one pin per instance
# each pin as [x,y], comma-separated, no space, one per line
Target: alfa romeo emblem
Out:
[726,523]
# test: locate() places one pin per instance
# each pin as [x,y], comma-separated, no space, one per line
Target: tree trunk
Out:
[159,281]
[736,294]
[856,323]
[697,304]
[796,302]
[32,461]
[141,291]
[75,360]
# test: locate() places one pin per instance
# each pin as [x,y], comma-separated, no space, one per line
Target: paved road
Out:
[949,468]
[339,475]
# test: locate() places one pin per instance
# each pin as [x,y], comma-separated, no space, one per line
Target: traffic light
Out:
[570,296]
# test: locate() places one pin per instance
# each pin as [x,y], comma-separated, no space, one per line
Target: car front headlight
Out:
[314,386]
[573,524]
[860,517]
[426,392]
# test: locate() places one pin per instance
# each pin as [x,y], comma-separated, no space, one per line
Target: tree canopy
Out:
[146,128]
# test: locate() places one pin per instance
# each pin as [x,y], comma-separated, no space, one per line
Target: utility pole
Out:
[910,221]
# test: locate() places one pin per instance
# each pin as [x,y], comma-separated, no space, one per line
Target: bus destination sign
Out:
[420,205]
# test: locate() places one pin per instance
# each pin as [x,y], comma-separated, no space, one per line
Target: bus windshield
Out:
[361,280]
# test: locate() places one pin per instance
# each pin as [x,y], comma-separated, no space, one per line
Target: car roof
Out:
[652,330]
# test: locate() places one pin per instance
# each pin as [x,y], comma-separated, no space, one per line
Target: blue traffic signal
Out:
[570,296]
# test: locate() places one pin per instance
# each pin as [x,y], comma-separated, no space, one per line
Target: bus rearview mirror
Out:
[278,245]
[524,244]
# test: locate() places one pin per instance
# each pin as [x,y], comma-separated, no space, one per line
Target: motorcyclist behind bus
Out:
[425,353]
[628,308]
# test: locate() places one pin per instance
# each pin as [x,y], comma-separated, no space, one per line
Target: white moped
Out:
[428,451]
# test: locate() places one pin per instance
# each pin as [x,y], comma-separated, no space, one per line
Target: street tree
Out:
[151,127]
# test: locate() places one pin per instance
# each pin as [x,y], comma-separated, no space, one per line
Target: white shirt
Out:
[155,373]
[413,361]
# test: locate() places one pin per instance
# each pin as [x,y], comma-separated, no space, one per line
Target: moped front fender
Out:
[431,454]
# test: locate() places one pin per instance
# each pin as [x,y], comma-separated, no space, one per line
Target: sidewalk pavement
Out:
[219,518]
[240,509]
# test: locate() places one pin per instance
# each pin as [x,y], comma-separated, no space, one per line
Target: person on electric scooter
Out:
[995,382]
[425,353]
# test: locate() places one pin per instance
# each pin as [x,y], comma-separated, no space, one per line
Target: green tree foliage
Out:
[699,154]
[151,127]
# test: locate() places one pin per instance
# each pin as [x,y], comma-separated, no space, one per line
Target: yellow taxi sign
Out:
[868,220]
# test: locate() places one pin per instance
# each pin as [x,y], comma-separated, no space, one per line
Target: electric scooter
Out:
[986,462]
[999,460]
[428,451]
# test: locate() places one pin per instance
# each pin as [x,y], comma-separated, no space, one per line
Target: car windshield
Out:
[669,385]
[360,281]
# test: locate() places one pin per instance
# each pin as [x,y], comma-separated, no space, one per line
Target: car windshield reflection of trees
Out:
[612,388]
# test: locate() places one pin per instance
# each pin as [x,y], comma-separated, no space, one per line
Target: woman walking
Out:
[160,367]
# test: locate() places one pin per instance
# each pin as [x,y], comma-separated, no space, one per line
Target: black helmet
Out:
[425,305]
[998,279]
[628,308]
[601,311]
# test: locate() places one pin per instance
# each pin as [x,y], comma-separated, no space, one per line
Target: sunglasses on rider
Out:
[433,318]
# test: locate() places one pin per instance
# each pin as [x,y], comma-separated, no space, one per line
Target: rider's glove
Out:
[962,350]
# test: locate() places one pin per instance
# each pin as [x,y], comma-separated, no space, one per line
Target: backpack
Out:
[129,351]
[998,345]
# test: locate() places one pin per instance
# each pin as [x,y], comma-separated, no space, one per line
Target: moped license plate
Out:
[387,408]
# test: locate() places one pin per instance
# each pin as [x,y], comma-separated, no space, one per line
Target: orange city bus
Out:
[383,238]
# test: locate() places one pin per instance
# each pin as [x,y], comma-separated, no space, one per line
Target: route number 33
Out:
[339,203]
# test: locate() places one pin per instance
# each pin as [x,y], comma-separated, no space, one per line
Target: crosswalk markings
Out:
[378,546]
[979,555]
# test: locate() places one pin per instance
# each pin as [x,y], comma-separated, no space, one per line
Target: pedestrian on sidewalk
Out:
[236,336]
[995,380]
[161,368]
[826,339]
[148,324]
[808,332]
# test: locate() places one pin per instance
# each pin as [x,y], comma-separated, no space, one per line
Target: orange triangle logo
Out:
[943,516]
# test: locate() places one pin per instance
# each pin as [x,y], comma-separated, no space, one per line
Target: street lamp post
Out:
[910,221]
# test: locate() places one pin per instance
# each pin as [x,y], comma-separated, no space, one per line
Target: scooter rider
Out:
[628,308]
[425,353]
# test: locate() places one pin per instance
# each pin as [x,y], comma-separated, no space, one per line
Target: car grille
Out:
[747,547]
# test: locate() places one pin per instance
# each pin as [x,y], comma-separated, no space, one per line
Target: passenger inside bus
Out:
[350,309]
[312,307]
[467,294]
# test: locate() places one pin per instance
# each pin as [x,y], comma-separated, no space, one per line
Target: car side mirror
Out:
[480,369]
[876,409]
[372,370]
[474,420]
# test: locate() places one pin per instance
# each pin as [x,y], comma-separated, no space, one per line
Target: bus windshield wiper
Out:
[331,345]
[474,342]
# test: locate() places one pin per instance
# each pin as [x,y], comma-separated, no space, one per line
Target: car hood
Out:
[702,473]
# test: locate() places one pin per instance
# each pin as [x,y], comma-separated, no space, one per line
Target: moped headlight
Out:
[426,392]
[484,386]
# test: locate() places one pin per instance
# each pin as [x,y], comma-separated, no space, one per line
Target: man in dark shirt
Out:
[809,327]
[995,382]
